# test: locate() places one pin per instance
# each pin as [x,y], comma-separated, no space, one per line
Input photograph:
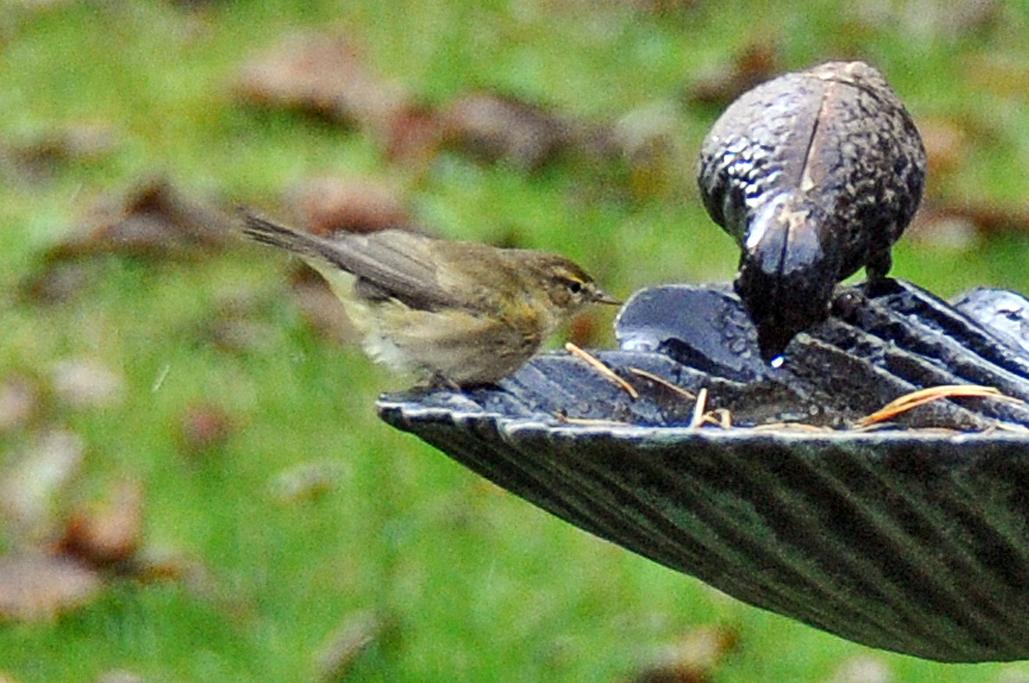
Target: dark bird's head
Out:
[788,270]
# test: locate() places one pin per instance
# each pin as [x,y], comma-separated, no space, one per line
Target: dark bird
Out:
[815,174]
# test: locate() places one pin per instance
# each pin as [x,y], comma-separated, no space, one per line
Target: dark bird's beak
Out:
[786,278]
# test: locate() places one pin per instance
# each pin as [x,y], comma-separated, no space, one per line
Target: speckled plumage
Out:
[815,174]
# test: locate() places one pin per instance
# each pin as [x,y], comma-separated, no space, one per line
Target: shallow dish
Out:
[913,538]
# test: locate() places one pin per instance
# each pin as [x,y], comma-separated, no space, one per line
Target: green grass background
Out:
[483,586]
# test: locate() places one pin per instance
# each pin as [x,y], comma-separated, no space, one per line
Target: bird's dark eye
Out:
[575,286]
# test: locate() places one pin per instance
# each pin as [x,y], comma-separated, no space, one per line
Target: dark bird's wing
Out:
[394,262]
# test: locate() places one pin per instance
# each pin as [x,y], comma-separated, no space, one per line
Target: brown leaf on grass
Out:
[695,658]
[322,74]
[946,145]
[204,427]
[19,402]
[153,219]
[494,128]
[32,483]
[960,223]
[414,136]
[35,586]
[56,282]
[757,62]
[85,383]
[345,645]
[862,669]
[330,205]
[108,533]
[39,158]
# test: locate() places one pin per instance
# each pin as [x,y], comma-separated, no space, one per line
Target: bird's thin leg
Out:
[879,264]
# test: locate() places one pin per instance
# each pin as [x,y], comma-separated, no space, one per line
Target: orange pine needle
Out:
[657,379]
[602,369]
[914,399]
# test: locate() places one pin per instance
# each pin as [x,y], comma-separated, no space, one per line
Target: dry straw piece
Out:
[602,369]
[698,409]
[914,399]
[657,379]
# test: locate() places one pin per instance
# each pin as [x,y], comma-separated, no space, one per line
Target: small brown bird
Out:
[453,313]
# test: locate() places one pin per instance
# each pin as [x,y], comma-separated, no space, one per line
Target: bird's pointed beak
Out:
[602,297]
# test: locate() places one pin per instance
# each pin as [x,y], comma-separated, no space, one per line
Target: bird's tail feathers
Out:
[275,235]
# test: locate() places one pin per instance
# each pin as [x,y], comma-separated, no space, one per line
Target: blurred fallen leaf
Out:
[493,127]
[329,205]
[203,427]
[108,533]
[322,74]
[19,402]
[87,383]
[153,219]
[959,223]
[57,282]
[34,586]
[345,645]
[306,481]
[755,63]
[695,658]
[31,484]
[414,137]
[862,669]
[39,158]
[946,145]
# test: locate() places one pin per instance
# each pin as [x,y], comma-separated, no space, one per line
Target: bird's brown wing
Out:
[394,262]
[398,263]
